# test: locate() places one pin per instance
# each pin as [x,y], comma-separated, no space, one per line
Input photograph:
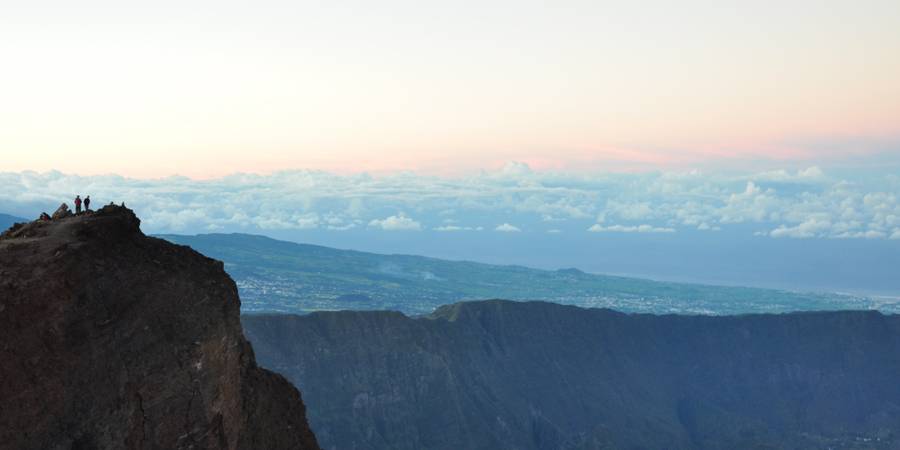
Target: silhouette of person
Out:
[87,203]
[77,204]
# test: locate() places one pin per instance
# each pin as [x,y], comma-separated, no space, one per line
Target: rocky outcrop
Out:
[509,375]
[62,212]
[110,339]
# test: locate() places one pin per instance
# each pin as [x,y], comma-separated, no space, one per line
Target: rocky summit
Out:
[110,339]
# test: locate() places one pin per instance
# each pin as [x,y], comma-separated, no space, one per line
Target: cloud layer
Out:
[805,203]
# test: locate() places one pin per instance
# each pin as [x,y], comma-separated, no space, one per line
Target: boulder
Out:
[62,212]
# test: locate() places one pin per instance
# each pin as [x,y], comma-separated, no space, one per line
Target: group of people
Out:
[82,206]
[79,202]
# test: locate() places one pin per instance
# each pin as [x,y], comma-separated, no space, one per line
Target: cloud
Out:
[457,228]
[787,203]
[342,227]
[396,223]
[808,174]
[811,172]
[870,234]
[515,169]
[597,228]
[630,211]
[808,229]
[507,228]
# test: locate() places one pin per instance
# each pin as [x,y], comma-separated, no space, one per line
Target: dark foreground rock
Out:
[506,375]
[110,339]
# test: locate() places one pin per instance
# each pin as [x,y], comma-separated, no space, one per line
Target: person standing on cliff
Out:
[87,203]
[77,204]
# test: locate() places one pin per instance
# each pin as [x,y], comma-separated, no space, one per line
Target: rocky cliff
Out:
[509,375]
[110,339]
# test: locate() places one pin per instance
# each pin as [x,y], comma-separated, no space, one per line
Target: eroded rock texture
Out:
[111,339]
[508,375]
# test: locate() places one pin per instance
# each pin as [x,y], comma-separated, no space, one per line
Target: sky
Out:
[205,89]
[753,143]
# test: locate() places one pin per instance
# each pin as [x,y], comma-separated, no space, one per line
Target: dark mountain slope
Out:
[511,375]
[110,339]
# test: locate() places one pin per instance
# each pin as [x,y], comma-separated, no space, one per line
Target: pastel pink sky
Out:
[210,88]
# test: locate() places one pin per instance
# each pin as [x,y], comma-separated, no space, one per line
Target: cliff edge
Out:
[112,339]
[501,375]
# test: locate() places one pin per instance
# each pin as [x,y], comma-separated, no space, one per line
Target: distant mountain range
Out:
[279,276]
[7,221]
[532,375]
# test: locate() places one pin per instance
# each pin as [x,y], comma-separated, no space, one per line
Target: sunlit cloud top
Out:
[207,88]
[806,203]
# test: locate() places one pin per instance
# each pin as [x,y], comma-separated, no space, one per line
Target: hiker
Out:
[44,217]
[77,204]
[87,203]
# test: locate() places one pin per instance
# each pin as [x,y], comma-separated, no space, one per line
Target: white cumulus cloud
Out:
[507,228]
[808,229]
[788,203]
[396,223]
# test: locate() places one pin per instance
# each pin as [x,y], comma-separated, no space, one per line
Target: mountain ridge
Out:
[7,221]
[536,375]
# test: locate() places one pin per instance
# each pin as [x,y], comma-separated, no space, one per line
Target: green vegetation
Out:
[278,276]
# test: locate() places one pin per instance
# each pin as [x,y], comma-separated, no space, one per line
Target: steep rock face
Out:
[111,339]
[510,375]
